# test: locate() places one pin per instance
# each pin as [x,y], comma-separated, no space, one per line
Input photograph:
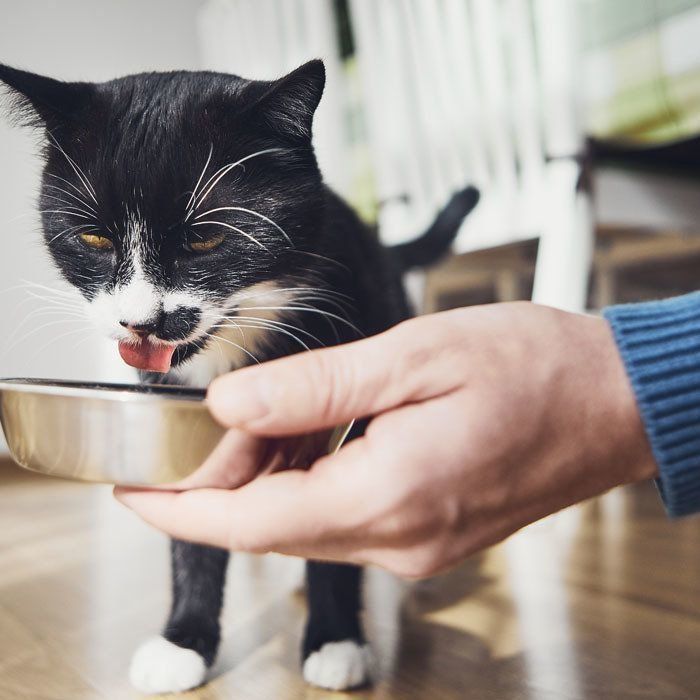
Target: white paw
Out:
[159,666]
[339,666]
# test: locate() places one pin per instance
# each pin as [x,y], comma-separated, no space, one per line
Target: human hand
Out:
[484,419]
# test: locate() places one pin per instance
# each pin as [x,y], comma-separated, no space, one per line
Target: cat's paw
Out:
[159,666]
[339,666]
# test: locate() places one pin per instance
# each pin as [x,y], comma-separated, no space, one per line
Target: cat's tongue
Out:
[146,355]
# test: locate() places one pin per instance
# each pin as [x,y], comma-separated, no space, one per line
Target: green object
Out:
[642,61]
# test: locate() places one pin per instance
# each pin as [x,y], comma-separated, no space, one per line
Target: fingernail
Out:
[235,401]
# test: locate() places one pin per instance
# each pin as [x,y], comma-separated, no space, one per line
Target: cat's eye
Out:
[96,241]
[207,244]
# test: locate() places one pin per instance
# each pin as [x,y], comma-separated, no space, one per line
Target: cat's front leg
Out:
[178,659]
[335,654]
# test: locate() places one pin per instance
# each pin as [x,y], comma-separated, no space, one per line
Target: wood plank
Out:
[600,601]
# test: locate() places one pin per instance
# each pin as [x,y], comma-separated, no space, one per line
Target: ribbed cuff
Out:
[660,345]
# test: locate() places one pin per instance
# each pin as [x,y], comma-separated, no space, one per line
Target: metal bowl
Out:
[124,434]
[139,435]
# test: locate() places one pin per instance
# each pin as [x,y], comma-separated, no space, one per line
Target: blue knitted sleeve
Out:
[660,345]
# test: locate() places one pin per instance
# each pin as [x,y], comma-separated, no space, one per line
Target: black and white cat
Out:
[189,212]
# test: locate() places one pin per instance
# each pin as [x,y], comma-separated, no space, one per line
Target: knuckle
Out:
[417,567]
[238,542]
[330,380]
[425,346]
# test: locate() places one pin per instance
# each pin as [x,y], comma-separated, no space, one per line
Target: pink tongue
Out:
[145,355]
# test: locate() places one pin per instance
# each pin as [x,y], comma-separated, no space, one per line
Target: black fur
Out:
[140,143]
[198,580]
[334,601]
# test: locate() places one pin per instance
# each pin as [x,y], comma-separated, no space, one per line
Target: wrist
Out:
[610,442]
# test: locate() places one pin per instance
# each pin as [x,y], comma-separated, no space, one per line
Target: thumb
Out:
[324,388]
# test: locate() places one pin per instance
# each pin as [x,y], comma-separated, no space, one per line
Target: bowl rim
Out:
[142,393]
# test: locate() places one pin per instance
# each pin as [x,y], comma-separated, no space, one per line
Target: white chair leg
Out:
[566,242]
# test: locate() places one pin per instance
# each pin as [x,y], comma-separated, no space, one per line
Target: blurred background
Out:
[577,119]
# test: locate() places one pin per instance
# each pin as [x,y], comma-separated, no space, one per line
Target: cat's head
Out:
[167,198]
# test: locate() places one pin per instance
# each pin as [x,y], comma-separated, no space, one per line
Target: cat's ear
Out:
[41,101]
[288,105]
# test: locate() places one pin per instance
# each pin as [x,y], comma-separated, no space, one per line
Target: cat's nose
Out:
[140,329]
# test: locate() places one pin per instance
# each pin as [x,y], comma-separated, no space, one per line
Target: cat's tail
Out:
[436,241]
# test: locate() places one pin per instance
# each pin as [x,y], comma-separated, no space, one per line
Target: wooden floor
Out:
[600,602]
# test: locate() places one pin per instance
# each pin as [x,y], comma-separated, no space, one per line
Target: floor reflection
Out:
[599,602]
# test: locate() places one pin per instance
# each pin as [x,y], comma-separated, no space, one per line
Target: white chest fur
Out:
[237,342]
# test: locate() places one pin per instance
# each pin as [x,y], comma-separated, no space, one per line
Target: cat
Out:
[188,210]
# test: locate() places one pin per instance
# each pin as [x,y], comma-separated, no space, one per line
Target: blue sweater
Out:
[660,345]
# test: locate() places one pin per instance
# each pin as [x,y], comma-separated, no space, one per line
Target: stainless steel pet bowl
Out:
[123,434]
[138,435]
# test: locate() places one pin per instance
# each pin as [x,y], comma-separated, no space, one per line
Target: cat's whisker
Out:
[57,304]
[253,213]
[60,294]
[50,310]
[72,293]
[80,200]
[39,314]
[193,196]
[220,173]
[60,309]
[295,289]
[240,329]
[278,330]
[275,322]
[44,326]
[56,339]
[325,300]
[85,277]
[233,228]
[217,320]
[306,308]
[80,342]
[76,168]
[278,326]
[63,304]
[68,231]
[215,337]
[23,215]
[220,350]
[297,307]
[67,303]
[322,257]
[62,211]
[273,325]
[16,287]
[218,347]
[68,204]
[69,183]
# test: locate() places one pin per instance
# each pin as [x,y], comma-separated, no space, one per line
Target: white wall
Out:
[74,40]
[79,40]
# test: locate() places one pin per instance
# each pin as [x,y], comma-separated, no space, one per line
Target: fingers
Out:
[293,512]
[237,458]
[197,516]
[325,388]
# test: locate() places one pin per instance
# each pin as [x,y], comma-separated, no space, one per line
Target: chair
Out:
[465,90]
